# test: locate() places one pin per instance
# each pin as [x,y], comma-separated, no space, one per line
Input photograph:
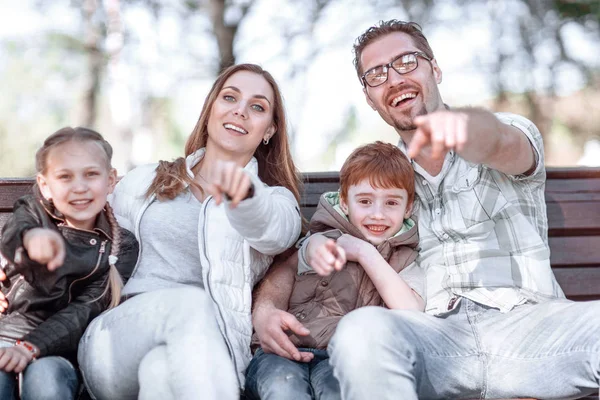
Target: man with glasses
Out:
[496,323]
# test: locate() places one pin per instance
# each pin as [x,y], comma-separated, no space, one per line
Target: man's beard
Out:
[407,124]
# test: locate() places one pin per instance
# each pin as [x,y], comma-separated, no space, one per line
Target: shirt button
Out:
[300,316]
[438,211]
[324,283]
[93,242]
[425,182]
[445,236]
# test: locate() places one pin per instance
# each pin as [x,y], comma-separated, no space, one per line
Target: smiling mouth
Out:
[376,229]
[80,203]
[403,98]
[235,128]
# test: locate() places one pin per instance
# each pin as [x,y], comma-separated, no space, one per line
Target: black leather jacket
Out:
[52,309]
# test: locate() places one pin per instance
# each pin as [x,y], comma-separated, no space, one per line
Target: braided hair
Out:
[115,282]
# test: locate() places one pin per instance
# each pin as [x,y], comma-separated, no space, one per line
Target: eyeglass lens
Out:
[403,65]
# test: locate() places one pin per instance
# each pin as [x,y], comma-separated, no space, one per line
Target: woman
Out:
[208,227]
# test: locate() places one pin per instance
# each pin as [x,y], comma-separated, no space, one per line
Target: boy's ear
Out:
[43,185]
[409,210]
[112,180]
[343,205]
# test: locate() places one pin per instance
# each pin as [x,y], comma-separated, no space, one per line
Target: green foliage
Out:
[578,9]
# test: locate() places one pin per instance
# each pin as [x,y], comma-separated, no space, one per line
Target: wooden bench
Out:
[572,199]
[573,204]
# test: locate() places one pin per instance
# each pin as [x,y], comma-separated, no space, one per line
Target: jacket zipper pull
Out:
[102,247]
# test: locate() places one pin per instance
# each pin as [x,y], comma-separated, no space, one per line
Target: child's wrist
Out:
[366,252]
[31,349]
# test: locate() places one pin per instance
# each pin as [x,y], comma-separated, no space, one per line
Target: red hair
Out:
[383,164]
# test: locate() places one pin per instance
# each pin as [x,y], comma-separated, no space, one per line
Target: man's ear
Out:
[437,72]
[43,185]
[369,101]
[112,180]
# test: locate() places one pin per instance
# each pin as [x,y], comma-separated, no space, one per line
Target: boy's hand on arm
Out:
[45,246]
[391,287]
[355,249]
[324,255]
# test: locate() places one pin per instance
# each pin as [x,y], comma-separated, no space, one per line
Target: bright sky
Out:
[317,100]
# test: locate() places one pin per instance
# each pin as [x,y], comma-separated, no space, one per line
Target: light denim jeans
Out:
[545,351]
[271,377]
[48,378]
[163,344]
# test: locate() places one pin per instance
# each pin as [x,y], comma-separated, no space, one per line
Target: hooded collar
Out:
[329,216]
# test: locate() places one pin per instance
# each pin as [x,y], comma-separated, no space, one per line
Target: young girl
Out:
[66,255]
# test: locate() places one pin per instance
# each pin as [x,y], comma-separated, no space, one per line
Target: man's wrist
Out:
[264,306]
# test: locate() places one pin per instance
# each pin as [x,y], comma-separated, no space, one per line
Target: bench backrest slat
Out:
[573,207]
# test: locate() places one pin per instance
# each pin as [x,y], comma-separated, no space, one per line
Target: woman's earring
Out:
[266,141]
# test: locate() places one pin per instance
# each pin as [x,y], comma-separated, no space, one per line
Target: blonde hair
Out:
[68,134]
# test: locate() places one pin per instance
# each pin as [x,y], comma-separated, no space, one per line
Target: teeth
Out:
[80,202]
[402,97]
[376,228]
[235,128]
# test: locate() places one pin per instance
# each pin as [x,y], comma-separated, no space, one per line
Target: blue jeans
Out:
[545,351]
[49,378]
[163,344]
[271,377]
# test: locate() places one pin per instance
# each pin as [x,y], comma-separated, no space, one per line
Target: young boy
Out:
[360,252]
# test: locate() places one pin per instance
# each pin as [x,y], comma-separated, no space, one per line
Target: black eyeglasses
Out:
[403,64]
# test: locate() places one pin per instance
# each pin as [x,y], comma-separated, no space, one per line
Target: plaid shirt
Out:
[484,234]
